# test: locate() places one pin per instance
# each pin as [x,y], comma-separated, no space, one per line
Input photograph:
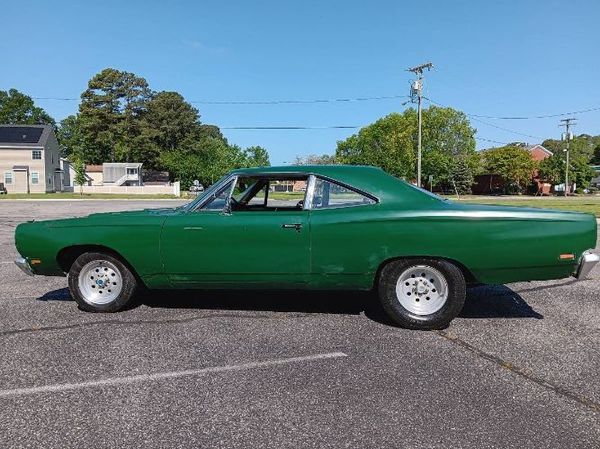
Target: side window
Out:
[329,195]
[35,177]
[269,193]
[8,177]
[220,198]
[36,154]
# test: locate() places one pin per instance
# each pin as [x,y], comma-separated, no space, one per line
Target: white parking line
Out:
[161,376]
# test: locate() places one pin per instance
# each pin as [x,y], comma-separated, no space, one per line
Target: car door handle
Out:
[296,226]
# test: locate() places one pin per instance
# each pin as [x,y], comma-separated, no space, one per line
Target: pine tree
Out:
[462,176]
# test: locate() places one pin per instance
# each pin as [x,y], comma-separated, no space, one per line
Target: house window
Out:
[36,154]
[8,177]
[35,177]
[132,171]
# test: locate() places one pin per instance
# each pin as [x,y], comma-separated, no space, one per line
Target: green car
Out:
[312,227]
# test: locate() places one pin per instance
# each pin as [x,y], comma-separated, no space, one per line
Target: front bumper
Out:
[586,263]
[23,264]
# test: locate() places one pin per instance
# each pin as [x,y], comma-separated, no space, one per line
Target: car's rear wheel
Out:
[422,293]
[101,283]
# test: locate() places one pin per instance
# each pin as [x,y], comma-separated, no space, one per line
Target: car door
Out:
[344,227]
[213,247]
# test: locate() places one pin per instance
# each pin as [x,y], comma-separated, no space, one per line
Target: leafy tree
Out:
[552,169]
[110,112]
[211,131]
[175,121]
[596,157]
[121,119]
[80,178]
[17,108]
[315,159]
[257,157]
[71,139]
[513,163]
[391,143]
[582,145]
[580,171]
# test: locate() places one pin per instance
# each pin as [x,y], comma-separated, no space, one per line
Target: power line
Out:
[264,102]
[475,117]
[349,100]
[504,129]
[490,140]
[261,128]
[561,114]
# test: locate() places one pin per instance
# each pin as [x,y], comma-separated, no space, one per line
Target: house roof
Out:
[541,147]
[25,136]
[93,168]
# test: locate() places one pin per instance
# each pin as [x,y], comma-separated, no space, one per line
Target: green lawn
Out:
[590,204]
[286,195]
[77,196]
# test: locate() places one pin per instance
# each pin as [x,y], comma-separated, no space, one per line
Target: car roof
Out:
[367,178]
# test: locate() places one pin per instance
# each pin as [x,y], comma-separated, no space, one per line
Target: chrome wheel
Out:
[422,290]
[100,282]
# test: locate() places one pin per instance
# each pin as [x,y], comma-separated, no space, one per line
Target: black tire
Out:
[128,281]
[456,289]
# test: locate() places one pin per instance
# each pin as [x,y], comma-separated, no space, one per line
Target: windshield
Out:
[209,191]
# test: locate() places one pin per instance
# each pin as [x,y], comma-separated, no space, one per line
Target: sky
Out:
[502,58]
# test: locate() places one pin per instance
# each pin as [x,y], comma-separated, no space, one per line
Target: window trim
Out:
[37,173]
[12,177]
[36,158]
[199,207]
[308,197]
[346,186]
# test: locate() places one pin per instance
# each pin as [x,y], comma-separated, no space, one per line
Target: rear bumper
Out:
[586,263]
[23,264]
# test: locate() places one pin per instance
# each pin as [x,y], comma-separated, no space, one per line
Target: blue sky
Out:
[501,58]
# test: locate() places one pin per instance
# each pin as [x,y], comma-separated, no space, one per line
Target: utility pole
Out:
[416,91]
[567,136]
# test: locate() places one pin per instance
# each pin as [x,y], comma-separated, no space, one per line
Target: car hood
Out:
[130,217]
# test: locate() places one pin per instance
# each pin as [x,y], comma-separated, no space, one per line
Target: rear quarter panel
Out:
[496,245]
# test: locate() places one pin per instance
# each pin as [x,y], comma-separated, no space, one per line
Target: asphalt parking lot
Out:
[519,368]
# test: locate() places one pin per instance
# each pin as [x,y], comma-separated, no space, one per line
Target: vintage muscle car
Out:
[341,227]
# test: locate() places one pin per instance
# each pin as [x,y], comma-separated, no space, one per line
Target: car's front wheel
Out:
[101,283]
[422,293]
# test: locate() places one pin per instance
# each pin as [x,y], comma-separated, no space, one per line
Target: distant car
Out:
[196,188]
[355,228]
[2,189]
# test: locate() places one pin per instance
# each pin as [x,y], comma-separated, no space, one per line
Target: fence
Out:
[171,189]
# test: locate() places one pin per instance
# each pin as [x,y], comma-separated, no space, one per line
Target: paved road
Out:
[518,368]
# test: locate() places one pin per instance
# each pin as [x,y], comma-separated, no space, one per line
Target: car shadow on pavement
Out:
[486,301]
[496,301]
[62,294]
